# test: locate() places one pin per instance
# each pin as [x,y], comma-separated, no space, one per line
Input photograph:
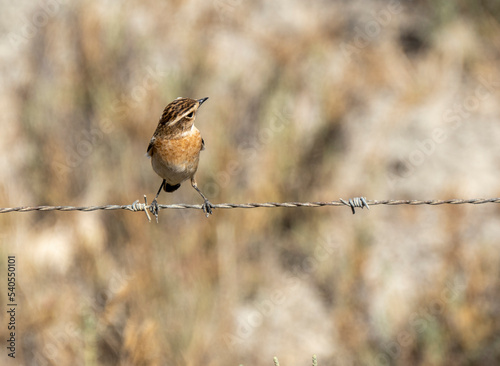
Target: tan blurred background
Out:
[309,101]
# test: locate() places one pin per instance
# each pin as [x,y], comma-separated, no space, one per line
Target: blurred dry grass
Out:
[308,101]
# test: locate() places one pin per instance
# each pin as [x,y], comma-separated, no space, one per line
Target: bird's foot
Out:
[207,207]
[154,209]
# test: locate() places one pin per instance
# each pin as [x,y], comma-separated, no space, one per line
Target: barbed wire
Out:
[358,202]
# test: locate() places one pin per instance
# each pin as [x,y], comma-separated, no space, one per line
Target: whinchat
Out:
[175,148]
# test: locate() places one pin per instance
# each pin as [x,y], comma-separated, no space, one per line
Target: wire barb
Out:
[356,202]
[136,206]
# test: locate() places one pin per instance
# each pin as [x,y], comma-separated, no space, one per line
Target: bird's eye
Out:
[190,115]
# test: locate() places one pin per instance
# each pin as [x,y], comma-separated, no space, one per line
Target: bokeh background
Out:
[309,101]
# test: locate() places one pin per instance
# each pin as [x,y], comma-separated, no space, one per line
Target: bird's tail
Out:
[169,188]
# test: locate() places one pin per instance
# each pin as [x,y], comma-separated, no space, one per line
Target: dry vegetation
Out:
[308,101]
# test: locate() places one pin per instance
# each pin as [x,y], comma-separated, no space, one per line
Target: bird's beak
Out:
[202,100]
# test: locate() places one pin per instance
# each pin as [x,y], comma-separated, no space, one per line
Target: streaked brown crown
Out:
[178,109]
[177,117]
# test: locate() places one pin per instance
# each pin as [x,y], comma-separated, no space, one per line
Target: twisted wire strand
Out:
[355,202]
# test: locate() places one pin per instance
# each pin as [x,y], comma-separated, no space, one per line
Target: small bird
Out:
[175,148]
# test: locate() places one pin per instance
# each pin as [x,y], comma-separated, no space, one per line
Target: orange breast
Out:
[177,159]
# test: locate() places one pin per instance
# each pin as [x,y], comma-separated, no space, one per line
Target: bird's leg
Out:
[154,205]
[207,206]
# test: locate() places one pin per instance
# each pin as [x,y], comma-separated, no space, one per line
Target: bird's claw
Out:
[207,207]
[154,209]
